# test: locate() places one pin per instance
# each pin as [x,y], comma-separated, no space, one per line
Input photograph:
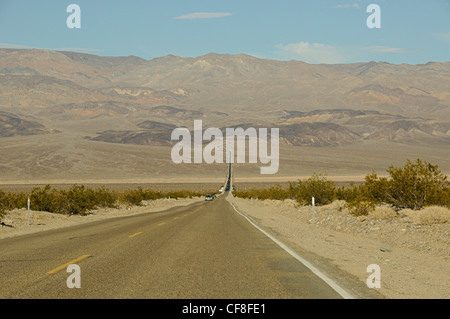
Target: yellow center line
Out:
[67,264]
[160,224]
[131,236]
[175,218]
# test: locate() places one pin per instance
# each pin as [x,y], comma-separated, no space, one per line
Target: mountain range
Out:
[88,100]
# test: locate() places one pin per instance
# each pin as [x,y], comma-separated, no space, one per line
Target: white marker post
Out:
[28,202]
[314,219]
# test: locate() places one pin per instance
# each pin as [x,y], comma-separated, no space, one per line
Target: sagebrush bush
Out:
[45,199]
[274,192]
[348,193]
[10,201]
[2,213]
[106,198]
[383,212]
[322,189]
[80,199]
[77,200]
[428,215]
[439,197]
[413,186]
[317,186]
[133,197]
[361,206]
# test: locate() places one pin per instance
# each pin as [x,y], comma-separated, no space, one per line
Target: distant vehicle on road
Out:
[210,197]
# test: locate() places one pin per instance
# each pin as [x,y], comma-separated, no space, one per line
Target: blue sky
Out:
[314,31]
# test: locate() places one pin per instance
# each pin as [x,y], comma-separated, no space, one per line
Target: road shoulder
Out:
[405,272]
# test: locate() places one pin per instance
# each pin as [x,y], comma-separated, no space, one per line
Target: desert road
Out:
[204,250]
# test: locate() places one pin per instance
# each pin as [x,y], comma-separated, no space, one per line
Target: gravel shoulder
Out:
[411,248]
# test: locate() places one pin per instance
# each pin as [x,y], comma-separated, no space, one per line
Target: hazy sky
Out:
[314,31]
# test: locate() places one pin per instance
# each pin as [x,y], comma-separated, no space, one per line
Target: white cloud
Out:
[311,52]
[77,49]
[341,6]
[15,46]
[203,15]
[384,49]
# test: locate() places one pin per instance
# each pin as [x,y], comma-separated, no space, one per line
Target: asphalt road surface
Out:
[205,250]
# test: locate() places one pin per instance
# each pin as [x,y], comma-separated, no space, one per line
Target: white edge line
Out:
[345,294]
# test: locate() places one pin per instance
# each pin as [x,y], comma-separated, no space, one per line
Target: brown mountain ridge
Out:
[97,106]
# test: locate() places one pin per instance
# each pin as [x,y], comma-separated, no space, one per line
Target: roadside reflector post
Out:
[314,213]
[28,204]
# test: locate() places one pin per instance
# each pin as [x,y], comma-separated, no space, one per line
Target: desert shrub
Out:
[413,186]
[317,186]
[361,206]
[241,193]
[10,201]
[133,196]
[376,188]
[80,199]
[383,212]
[51,200]
[150,194]
[434,215]
[2,207]
[277,192]
[77,200]
[349,193]
[136,196]
[106,198]
[440,197]
[274,192]
[45,199]
[180,194]
[428,215]
[176,194]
